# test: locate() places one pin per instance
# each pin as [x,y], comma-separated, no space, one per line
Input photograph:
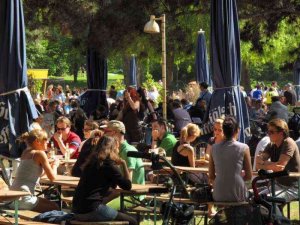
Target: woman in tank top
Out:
[183,153]
[33,162]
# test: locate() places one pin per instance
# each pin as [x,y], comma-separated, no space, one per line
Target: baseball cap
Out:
[116,125]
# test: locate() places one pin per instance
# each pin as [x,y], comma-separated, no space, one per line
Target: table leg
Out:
[273,195]
[59,196]
[299,198]
[122,207]
[154,209]
[16,203]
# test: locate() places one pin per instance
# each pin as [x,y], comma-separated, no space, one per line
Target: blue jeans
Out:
[101,213]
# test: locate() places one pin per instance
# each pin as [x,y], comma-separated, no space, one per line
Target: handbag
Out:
[202,193]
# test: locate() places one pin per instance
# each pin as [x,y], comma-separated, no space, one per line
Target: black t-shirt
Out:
[94,184]
[84,154]
[177,158]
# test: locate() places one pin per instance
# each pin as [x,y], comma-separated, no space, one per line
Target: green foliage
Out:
[149,82]
[119,84]
[35,86]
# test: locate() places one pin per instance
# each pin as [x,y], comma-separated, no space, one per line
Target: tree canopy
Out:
[269,30]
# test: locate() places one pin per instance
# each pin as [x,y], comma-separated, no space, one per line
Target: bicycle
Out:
[253,213]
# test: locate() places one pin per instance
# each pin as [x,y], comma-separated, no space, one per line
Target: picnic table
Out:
[8,195]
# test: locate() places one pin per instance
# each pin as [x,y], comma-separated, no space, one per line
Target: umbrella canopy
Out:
[226,66]
[202,71]
[297,79]
[17,109]
[132,72]
[96,82]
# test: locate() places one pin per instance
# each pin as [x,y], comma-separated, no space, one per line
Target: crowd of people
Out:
[100,142]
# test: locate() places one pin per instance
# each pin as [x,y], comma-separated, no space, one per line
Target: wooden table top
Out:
[9,195]
[71,181]
[291,174]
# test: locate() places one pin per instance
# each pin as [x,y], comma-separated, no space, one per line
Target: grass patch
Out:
[200,221]
[82,80]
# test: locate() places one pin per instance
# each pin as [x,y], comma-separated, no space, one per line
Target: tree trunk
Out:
[245,77]
[75,72]
[126,69]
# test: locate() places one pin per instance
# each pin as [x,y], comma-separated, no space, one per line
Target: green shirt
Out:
[134,164]
[167,143]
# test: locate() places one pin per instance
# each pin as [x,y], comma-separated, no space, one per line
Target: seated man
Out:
[161,137]
[284,155]
[63,137]
[135,166]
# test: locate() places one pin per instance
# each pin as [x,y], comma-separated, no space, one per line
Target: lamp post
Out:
[153,28]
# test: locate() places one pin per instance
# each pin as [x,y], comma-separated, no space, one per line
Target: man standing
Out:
[161,137]
[204,94]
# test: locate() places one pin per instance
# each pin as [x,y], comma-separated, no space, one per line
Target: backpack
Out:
[54,216]
[294,126]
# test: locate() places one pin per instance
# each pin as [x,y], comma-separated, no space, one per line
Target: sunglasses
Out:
[270,132]
[62,129]
[220,130]
[86,130]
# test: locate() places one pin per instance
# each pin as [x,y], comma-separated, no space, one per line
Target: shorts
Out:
[101,213]
[26,203]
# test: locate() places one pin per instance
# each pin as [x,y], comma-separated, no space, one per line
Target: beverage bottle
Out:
[52,150]
[67,153]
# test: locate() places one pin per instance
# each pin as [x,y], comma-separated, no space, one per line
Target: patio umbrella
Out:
[226,66]
[297,79]
[17,109]
[202,71]
[132,72]
[96,82]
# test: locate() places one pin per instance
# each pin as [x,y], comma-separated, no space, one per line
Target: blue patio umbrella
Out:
[202,69]
[96,82]
[226,66]
[17,109]
[297,79]
[132,72]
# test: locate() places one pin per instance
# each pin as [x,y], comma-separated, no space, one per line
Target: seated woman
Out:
[85,151]
[33,161]
[227,160]
[100,173]
[217,138]
[183,153]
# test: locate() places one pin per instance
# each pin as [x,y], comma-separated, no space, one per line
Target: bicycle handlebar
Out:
[265,174]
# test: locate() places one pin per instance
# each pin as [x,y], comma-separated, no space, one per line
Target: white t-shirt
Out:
[260,147]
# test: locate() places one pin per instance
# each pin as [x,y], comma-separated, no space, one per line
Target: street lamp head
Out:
[152,27]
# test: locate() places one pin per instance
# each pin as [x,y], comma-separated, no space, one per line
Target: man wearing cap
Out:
[116,129]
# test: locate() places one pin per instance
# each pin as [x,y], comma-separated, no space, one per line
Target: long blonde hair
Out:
[189,130]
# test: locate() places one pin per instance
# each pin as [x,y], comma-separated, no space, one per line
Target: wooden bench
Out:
[10,221]
[23,214]
[67,199]
[28,215]
[166,198]
[100,223]
[150,210]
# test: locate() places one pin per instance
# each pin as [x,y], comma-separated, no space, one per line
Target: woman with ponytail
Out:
[33,163]
[183,152]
